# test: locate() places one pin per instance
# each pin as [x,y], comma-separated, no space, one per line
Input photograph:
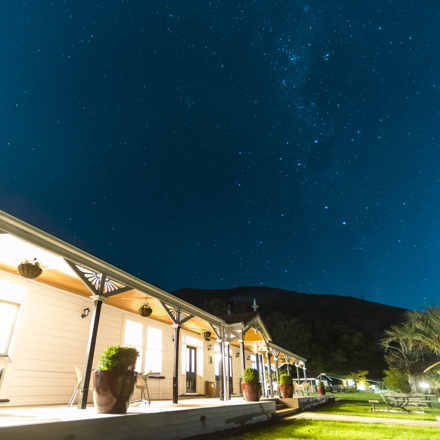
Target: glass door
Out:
[191,370]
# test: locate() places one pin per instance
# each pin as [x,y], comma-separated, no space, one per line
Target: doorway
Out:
[191,370]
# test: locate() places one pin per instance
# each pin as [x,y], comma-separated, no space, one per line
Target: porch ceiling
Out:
[59,275]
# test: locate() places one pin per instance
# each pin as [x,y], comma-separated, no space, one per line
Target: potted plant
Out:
[114,380]
[251,385]
[205,334]
[321,388]
[30,269]
[286,386]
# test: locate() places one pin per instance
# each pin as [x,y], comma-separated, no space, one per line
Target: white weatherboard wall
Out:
[50,338]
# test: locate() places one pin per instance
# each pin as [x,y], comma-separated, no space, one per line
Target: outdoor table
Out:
[427,397]
[395,401]
[400,402]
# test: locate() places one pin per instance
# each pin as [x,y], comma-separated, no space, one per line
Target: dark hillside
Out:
[336,334]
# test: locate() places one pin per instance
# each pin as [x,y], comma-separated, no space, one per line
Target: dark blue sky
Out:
[292,144]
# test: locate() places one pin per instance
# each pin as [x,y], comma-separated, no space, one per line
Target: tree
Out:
[405,352]
[396,379]
[360,377]
[425,327]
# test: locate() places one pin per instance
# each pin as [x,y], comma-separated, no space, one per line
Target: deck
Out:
[162,420]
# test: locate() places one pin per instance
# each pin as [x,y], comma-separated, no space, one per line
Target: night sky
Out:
[214,144]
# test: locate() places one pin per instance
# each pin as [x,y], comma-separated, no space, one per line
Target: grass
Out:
[326,430]
[356,404]
[351,404]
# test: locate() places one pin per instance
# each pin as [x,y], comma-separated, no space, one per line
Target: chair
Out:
[297,388]
[142,384]
[78,385]
[306,386]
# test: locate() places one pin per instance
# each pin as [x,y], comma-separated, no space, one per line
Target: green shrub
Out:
[118,358]
[320,384]
[286,379]
[251,375]
[396,379]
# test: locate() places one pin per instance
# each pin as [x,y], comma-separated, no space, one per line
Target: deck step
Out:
[280,406]
[285,413]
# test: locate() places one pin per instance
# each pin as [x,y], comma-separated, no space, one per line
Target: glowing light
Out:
[424,385]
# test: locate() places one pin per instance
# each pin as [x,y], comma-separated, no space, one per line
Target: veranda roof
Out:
[19,241]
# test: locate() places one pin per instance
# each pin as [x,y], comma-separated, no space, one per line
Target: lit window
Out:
[8,316]
[133,338]
[217,360]
[253,361]
[153,355]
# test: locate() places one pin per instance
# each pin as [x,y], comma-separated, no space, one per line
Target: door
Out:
[191,370]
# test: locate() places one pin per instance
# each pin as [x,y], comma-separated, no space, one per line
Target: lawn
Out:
[326,430]
[356,404]
[351,404]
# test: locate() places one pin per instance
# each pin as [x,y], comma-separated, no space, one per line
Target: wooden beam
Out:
[87,372]
[269,373]
[176,364]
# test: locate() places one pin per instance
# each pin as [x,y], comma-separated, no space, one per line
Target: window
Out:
[153,355]
[134,338]
[148,342]
[217,360]
[8,316]
[253,361]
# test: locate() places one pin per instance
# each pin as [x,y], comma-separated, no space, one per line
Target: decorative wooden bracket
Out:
[275,353]
[93,281]
[178,316]
[216,330]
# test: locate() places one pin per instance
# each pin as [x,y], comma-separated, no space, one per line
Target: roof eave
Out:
[37,237]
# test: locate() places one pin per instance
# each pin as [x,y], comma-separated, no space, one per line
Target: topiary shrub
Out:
[321,384]
[286,379]
[251,375]
[118,358]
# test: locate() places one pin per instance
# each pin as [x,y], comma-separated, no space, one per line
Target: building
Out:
[80,304]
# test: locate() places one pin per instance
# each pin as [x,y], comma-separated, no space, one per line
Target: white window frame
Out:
[154,350]
[11,330]
[145,326]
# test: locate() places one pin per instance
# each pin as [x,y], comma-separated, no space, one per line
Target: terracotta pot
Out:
[113,390]
[321,391]
[286,391]
[251,391]
[29,271]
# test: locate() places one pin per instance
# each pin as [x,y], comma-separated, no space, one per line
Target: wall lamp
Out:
[248,358]
[237,355]
[86,313]
[209,347]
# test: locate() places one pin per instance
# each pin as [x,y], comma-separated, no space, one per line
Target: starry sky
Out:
[215,144]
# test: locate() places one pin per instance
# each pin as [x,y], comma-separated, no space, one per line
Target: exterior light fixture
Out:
[248,358]
[237,355]
[86,313]
[209,347]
